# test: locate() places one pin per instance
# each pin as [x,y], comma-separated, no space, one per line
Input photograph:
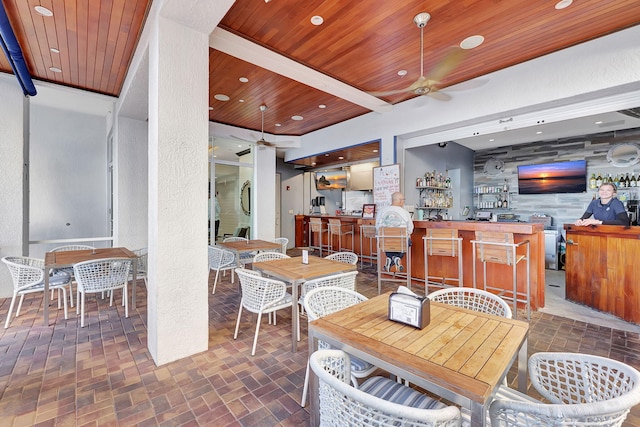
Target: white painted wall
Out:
[264,193]
[68,176]
[11,142]
[131,183]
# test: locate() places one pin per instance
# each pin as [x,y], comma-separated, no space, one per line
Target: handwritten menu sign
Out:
[386,181]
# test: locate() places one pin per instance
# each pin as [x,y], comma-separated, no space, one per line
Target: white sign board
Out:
[386,181]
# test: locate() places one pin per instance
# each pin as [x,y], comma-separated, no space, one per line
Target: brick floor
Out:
[103,374]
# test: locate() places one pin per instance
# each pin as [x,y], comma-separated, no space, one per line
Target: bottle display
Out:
[435,190]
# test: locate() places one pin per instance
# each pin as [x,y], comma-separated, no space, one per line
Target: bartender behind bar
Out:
[607,209]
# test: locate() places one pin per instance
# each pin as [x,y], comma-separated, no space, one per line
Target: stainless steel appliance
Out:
[551,240]
[632,209]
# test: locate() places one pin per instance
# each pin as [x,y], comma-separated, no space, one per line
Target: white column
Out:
[264,195]
[11,179]
[178,129]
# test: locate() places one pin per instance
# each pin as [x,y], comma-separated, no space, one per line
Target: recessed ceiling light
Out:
[210,108]
[54,50]
[240,100]
[375,151]
[239,145]
[322,106]
[278,125]
[472,42]
[55,69]
[563,4]
[317,20]
[491,140]
[340,158]
[43,11]
[326,155]
[221,97]
[402,73]
[313,163]
[243,79]
[297,118]
[599,122]
[539,132]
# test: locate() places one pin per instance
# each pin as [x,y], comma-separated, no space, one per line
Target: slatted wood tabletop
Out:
[250,246]
[293,271]
[461,355]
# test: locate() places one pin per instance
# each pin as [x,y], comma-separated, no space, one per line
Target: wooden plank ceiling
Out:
[361,43]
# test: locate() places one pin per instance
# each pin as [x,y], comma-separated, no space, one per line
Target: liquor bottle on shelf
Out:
[633,182]
[505,187]
[598,180]
[592,181]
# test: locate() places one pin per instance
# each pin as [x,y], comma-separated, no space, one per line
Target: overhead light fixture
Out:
[472,42]
[375,151]
[317,20]
[210,108]
[562,4]
[322,106]
[297,118]
[243,79]
[402,73]
[54,50]
[340,158]
[55,69]
[221,97]
[43,11]
[539,132]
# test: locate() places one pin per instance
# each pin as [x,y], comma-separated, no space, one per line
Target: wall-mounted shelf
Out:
[493,200]
[434,198]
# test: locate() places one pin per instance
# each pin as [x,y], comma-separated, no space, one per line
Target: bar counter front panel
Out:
[602,269]
[497,275]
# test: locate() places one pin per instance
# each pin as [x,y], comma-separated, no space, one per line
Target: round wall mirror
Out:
[624,155]
[245,198]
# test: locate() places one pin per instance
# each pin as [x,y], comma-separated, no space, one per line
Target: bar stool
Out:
[338,229]
[368,235]
[316,228]
[444,243]
[395,240]
[499,248]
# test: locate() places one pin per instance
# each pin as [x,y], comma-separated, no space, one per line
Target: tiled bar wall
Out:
[563,208]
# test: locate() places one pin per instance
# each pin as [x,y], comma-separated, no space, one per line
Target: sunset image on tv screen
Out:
[560,177]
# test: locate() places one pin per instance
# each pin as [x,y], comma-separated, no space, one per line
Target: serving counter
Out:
[601,263]
[497,275]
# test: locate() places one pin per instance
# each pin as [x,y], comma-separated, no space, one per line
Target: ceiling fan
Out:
[280,144]
[427,85]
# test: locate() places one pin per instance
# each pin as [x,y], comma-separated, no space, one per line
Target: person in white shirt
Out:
[395,216]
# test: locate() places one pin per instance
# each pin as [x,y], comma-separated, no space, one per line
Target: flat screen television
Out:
[331,180]
[558,177]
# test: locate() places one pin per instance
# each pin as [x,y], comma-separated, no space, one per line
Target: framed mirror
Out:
[245,198]
[624,155]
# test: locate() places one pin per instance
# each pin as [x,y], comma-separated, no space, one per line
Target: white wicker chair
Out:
[269,256]
[260,295]
[321,302]
[102,275]
[141,272]
[341,280]
[220,260]
[584,390]
[284,242]
[70,269]
[345,257]
[378,402]
[28,277]
[473,299]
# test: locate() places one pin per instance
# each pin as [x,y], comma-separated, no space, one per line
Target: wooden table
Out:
[293,271]
[240,247]
[462,355]
[63,259]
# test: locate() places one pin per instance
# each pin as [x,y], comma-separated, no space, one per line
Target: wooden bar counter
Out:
[601,263]
[497,274]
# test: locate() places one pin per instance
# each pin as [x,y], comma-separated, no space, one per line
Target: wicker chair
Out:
[321,302]
[345,257]
[269,256]
[220,260]
[378,402]
[102,275]
[284,242]
[584,390]
[473,299]
[28,277]
[69,270]
[260,295]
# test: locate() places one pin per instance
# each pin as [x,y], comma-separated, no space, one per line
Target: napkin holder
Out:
[411,310]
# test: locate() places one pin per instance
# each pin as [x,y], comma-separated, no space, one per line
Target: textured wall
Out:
[564,208]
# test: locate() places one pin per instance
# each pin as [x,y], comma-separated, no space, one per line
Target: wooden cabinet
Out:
[302,231]
[601,263]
